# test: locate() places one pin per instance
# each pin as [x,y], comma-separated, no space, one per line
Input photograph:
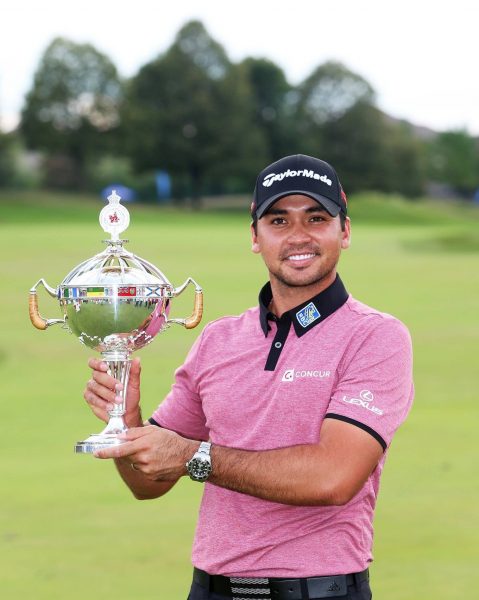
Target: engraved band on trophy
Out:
[115,303]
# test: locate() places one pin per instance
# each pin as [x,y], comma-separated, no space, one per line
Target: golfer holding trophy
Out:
[285,412]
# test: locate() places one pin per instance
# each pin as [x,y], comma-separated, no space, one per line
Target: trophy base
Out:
[106,439]
[97,442]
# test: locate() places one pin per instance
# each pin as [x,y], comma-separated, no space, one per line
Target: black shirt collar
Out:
[307,315]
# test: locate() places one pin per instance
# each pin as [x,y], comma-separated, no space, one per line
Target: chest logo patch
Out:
[308,315]
[292,374]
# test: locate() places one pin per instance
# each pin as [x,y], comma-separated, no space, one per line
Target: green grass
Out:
[69,528]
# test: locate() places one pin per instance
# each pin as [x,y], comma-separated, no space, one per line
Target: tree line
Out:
[213,124]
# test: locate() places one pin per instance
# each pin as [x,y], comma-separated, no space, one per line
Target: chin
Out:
[301,280]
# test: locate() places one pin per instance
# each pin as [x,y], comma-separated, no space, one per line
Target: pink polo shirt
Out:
[355,365]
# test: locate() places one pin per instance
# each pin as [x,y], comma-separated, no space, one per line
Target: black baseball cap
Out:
[299,174]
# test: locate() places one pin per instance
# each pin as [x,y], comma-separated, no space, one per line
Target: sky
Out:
[421,57]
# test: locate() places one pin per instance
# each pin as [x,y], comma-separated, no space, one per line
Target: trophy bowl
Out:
[115,303]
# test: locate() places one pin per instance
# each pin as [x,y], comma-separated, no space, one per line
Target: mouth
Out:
[300,260]
[300,257]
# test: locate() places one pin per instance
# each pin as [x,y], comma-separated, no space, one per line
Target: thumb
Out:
[135,372]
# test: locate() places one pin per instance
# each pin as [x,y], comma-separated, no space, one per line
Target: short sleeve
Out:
[181,411]
[375,389]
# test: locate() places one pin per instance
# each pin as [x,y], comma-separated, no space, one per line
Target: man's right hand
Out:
[102,392]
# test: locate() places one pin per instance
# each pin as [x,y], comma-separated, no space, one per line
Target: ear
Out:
[346,234]
[254,240]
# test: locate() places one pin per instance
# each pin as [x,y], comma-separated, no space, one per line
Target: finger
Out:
[97,406]
[106,380]
[95,401]
[120,451]
[101,391]
[135,372]
[97,365]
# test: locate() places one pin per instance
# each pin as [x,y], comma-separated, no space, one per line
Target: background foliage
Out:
[212,124]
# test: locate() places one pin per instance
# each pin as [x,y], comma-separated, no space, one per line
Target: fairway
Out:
[70,529]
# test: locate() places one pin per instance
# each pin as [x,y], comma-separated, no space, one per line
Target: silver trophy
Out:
[115,303]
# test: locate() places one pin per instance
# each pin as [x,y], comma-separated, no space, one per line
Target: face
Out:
[300,243]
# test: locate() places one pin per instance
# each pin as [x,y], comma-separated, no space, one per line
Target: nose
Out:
[298,233]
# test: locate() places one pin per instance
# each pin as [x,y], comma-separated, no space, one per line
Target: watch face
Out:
[199,468]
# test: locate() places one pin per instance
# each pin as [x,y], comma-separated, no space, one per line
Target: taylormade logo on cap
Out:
[298,174]
[272,177]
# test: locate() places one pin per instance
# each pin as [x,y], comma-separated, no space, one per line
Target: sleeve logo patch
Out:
[308,315]
[364,401]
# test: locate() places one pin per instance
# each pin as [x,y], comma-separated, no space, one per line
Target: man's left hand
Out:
[160,454]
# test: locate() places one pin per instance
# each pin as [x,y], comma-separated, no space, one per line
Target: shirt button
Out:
[278,345]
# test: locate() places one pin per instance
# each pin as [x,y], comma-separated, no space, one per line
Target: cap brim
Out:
[331,207]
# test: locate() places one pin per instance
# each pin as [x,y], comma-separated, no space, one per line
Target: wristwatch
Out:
[199,467]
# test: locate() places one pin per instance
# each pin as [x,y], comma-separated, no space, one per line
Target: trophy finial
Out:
[114,218]
[114,198]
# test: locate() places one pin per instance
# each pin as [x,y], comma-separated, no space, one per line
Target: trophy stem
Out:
[118,367]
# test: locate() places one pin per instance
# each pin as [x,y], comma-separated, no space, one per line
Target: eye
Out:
[317,219]
[278,221]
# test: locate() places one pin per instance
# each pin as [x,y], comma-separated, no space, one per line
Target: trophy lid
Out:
[115,265]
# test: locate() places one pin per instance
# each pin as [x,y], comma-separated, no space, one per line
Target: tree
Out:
[191,111]
[371,152]
[325,97]
[454,159]
[354,144]
[7,163]
[330,91]
[274,107]
[338,120]
[404,154]
[73,104]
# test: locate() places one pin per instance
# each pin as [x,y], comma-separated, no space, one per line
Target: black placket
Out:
[303,317]
[284,325]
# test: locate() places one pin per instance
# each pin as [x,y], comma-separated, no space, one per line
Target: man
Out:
[286,411]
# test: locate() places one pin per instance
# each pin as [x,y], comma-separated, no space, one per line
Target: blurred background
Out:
[178,108]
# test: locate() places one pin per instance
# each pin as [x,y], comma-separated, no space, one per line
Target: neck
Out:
[286,297]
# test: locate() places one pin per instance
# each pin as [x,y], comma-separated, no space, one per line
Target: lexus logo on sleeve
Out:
[365,400]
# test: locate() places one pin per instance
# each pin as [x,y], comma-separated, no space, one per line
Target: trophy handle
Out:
[195,317]
[35,317]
